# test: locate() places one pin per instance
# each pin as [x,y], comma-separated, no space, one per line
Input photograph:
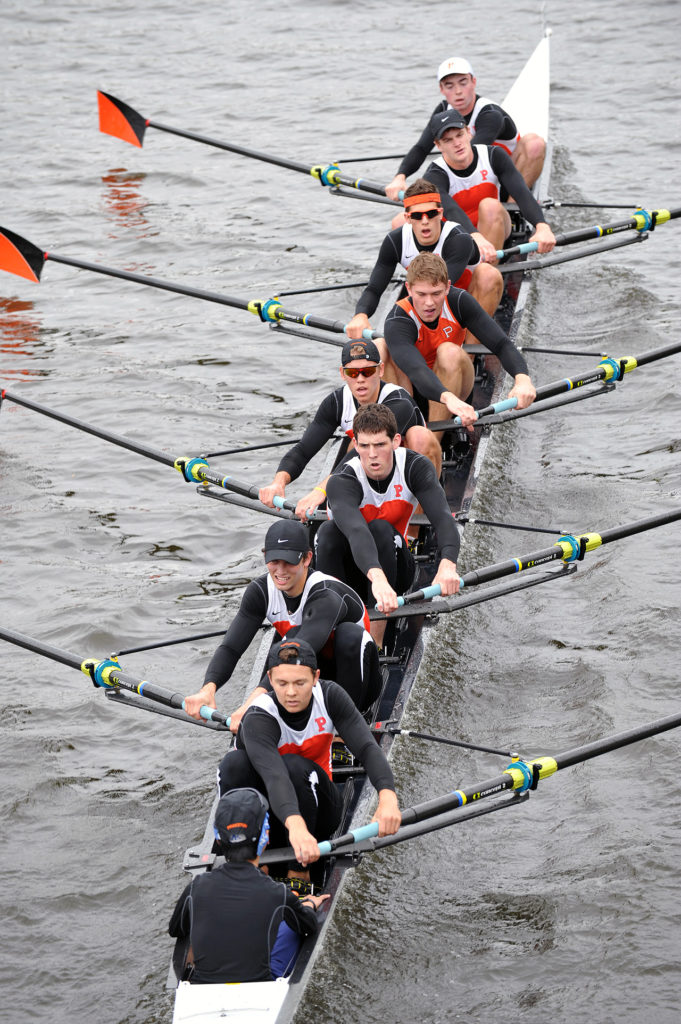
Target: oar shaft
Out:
[105,435]
[623,739]
[153,282]
[38,647]
[231,147]
[640,221]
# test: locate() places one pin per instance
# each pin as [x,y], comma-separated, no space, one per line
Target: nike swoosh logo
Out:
[286,541]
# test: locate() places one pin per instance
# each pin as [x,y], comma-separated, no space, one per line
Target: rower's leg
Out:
[424,441]
[455,370]
[355,664]
[528,157]
[494,222]
[398,220]
[333,555]
[397,563]
[319,801]
[486,287]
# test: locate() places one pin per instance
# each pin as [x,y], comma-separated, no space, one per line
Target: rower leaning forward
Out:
[283,748]
[371,501]
[362,374]
[489,123]
[424,335]
[303,603]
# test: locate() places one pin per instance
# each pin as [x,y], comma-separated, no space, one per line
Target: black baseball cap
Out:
[292,652]
[239,817]
[287,540]
[439,123]
[360,350]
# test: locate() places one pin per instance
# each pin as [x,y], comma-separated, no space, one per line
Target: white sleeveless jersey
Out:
[350,410]
[397,505]
[315,740]
[507,144]
[409,248]
[279,615]
[469,190]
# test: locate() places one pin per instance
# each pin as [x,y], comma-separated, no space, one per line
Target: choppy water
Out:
[566,909]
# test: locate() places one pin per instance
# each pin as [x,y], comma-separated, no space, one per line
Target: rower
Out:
[424,334]
[425,230]
[301,603]
[489,123]
[241,924]
[362,375]
[372,500]
[284,747]
[474,176]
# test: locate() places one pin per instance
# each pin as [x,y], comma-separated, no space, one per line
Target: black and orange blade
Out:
[19,256]
[118,119]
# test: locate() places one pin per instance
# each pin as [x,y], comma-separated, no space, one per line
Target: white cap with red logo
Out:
[454,66]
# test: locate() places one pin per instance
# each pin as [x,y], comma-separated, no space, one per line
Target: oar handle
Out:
[356,835]
[489,410]
[517,250]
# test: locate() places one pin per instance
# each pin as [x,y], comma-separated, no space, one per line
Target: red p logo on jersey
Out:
[398,490]
[321,722]
[483,175]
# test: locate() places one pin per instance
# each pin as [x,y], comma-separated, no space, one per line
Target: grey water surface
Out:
[564,910]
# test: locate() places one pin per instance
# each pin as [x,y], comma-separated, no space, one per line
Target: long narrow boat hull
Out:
[276,1002]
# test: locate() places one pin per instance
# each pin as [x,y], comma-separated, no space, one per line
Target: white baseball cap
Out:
[454,66]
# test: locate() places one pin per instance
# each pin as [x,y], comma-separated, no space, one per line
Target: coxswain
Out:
[362,374]
[241,924]
[424,334]
[303,603]
[474,176]
[426,230]
[371,501]
[284,746]
[489,123]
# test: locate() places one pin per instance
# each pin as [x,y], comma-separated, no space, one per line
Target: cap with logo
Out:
[439,123]
[360,350]
[286,540]
[454,66]
[241,817]
[292,652]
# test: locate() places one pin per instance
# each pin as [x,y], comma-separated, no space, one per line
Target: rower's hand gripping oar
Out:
[108,675]
[567,548]
[193,470]
[124,122]
[23,258]
[641,221]
[607,370]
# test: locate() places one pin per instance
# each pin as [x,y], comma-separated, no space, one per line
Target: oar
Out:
[386,728]
[567,548]
[552,259]
[108,674]
[124,122]
[641,220]
[194,470]
[23,258]
[520,776]
[608,369]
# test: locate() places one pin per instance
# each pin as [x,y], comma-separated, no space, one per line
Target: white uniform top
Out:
[280,616]
[397,504]
[350,410]
[469,190]
[315,740]
[507,144]
[409,248]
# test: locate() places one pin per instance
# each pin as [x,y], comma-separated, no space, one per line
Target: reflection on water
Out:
[20,335]
[123,201]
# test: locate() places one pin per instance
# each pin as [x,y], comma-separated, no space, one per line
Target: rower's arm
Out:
[412,160]
[345,494]
[459,251]
[323,610]
[514,183]
[259,735]
[313,440]
[400,336]
[236,640]
[381,275]
[470,314]
[358,737]
[492,123]
[422,481]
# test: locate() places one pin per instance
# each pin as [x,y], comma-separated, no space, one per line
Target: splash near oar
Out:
[521,775]
[107,674]
[23,258]
[193,469]
[641,221]
[124,122]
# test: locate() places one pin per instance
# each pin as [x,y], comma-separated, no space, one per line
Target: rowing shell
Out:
[276,1002]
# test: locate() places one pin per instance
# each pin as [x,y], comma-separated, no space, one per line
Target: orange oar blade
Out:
[19,256]
[118,119]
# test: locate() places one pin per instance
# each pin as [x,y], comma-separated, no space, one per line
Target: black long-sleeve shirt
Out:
[231,916]
[259,734]
[401,335]
[458,251]
[327,420]
[329,602]
[344,492]
[491,123]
